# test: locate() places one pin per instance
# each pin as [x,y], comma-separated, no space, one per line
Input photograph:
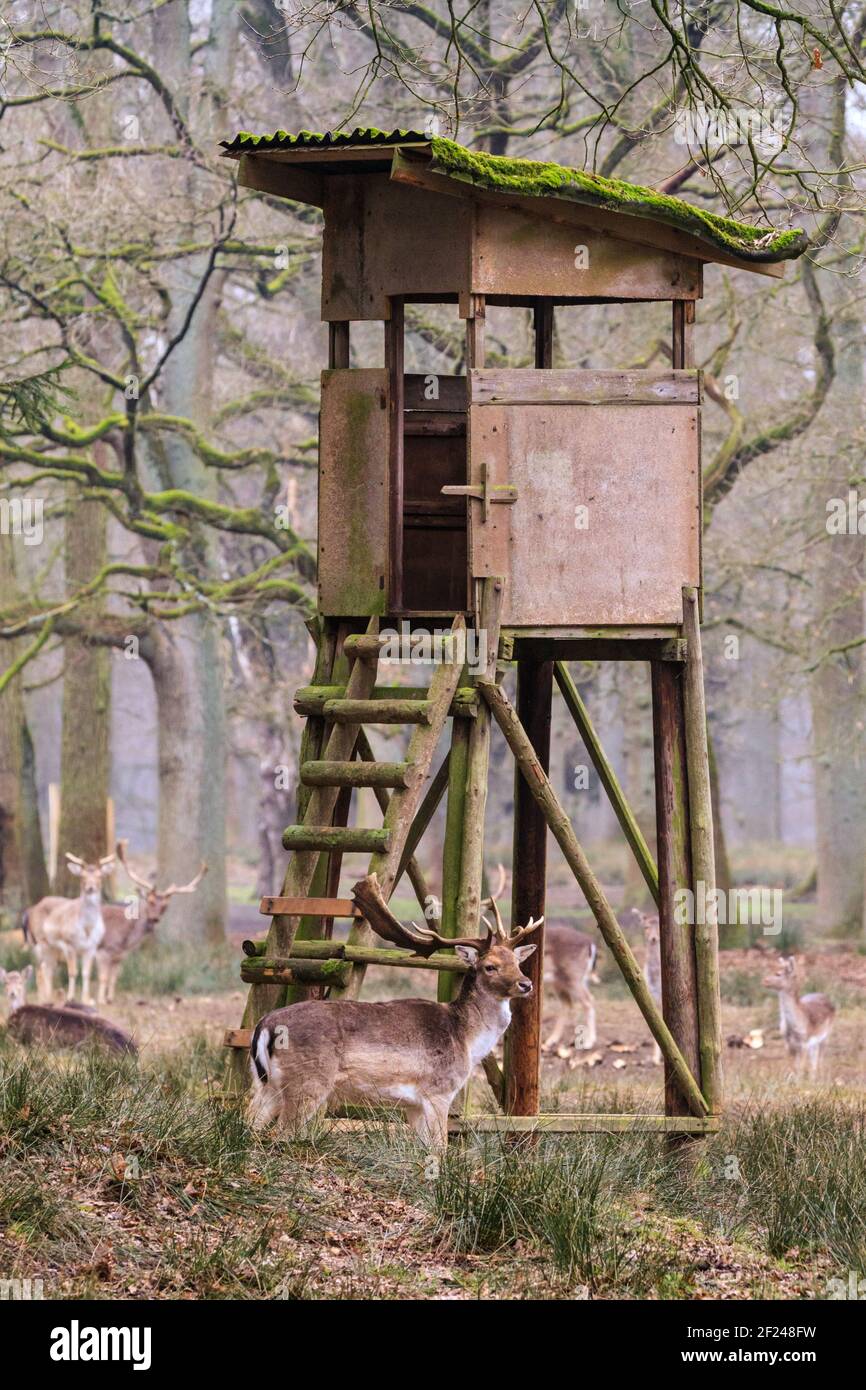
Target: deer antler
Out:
[522,933]
[492,902]
[422,940]
[74,858]
[136,878]
[188,887]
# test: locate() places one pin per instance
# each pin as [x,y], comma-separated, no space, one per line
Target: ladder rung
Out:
[355,774]
[308,907]
[378,711]
[310,700]
[335,837]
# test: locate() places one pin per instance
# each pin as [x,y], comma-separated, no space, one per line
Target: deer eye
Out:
[490,969]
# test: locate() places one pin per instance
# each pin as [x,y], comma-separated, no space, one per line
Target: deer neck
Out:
[480,1018]
[89,914]
[792,1016]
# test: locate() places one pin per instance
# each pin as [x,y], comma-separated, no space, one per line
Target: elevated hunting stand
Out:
[556,512]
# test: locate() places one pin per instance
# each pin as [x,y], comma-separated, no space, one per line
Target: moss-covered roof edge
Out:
[534,179]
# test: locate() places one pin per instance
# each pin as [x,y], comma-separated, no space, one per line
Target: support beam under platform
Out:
[523,1039]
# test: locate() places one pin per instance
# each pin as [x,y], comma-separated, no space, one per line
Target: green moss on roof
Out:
[534,179]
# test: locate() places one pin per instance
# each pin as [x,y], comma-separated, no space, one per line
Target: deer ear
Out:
[74,869]
[467,953]
[522,953]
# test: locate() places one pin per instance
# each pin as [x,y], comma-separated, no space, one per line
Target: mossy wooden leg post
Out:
[678,964]
[452,850]
[561,829]
[703,858]
[523,1039]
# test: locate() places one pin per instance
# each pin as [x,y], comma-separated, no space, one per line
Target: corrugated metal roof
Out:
[245,142]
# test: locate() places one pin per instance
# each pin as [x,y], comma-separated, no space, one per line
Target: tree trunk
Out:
[85,748]
[187,674]
[837,683]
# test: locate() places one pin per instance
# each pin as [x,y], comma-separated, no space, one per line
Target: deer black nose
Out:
[525,986]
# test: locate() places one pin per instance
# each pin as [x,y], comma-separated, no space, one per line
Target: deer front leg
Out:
[112,981]
[86,972]
[429,1119]
[103,972]
[71,958]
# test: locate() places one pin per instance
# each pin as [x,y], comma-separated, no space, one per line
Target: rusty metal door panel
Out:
[634,468]
[353,492]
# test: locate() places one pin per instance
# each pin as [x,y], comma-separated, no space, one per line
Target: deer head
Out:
[15,983]
[784,977]
[650,929]
[155,900]
[91,875]
[494,959]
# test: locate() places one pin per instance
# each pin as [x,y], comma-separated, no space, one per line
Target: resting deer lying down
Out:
[804,1021]
[569,962]
[410,1053]
[70,1026]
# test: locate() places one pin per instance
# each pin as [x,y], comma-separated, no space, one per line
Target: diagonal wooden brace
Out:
[539,784]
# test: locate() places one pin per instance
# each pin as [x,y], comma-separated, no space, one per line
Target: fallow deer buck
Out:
[69,1026]
[69,928]
[409,1053]
[569,962]
[127,926]
[805,1021]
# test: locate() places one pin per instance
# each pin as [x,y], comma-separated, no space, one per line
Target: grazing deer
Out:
[69,1026]
[127,926]
[569,962]
[69,928]
[804,1021]
[411,1053]
[653,969]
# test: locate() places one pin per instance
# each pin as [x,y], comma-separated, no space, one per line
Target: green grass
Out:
[195,1205]
[175,967]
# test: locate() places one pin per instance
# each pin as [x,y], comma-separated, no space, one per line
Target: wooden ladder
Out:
[338,768]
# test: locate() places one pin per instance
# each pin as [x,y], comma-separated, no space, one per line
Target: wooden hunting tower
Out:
[554,510]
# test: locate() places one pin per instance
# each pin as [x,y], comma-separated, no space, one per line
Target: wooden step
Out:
[330,837]
[356,774]
[308,907]
[378,711]
[310,699]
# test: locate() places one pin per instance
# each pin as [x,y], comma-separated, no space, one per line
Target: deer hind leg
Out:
[44,974]
[113,972]
[563,1018]
[585,1034]
[103,973]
